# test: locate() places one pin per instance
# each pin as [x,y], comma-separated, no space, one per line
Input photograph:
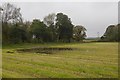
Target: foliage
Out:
[17,33]
[79,33]
[39,30]
[50,19]
[12,14]
[118,32]
[111,33]
[65,27]
[53,28]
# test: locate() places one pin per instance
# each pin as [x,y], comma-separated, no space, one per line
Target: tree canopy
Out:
[79,33]
[112,33]
[10,14]
[65,27]
[54,28]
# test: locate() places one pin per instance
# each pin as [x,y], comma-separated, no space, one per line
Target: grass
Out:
[92,60]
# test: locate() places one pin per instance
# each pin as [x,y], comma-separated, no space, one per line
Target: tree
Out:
[118,32]
[79,33]
[10,14]
[17,33]
[50,21]
[26,27]
[38,29]
[0,25]
[64,27]
[111,33]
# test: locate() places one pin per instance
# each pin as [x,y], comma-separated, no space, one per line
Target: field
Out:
[90,60]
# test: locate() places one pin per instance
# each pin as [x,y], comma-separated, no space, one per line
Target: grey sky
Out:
[95,16]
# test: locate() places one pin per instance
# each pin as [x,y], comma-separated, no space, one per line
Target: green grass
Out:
[92,60]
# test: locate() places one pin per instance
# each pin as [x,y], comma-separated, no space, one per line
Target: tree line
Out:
[54,27]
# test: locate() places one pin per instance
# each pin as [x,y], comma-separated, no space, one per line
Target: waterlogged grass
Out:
[92,60]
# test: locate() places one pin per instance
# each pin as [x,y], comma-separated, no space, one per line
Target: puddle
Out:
[45,50]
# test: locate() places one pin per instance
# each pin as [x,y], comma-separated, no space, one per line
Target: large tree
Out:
[65,27]
[39,30]
[10,14]
[17,33]
[118,32]
[79,33]
[49,20]
[111,33]
[0,25]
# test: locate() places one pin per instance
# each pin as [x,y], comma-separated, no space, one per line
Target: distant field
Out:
[91,60]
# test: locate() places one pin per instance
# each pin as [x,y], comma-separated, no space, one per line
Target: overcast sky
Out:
[94,16]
